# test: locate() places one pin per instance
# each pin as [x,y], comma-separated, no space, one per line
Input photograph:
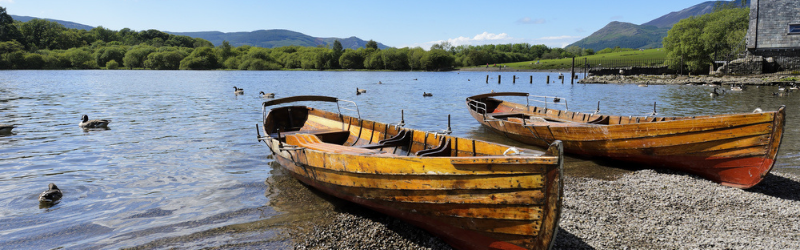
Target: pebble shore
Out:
[765,79]
[645,209]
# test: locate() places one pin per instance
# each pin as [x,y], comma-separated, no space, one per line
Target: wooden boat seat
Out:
[599,120]
[442,150]
[335,136]
[500,115]
[311,141]
[400,139]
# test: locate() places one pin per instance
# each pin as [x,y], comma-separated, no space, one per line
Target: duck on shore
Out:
[267,95]
[51,195]
[86,123]
[238,91]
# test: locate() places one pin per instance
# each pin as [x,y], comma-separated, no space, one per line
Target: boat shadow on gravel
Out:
[779,187]
[567,240]
[772,185]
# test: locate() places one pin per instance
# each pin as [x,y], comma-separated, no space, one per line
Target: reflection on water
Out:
[180,164]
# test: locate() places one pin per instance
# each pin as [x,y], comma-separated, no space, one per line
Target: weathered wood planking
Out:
[474,198]
[710,146]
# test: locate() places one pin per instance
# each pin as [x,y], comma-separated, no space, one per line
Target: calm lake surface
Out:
[180,164]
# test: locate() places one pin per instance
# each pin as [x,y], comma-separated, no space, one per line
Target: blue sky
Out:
[406,23]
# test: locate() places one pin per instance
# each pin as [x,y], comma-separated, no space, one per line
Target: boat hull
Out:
[474,197]
[735,150]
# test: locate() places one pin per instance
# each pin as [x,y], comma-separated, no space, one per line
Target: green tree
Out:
[112,65]
[337,52]
[371,45]
[103,34]
[136,56]
[81,58]
[8,31]
[105,54]
[351,59]
[693,41]
[202,58]
[437,59]
[41,34]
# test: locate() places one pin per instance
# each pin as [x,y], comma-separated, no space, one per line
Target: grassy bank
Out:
[620,59]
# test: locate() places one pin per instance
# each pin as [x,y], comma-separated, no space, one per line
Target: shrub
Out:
[112,65]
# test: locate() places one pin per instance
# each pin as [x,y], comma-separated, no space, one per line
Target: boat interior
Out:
[305,127]
[495,109]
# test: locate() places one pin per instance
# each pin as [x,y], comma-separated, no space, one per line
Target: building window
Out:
[794,29]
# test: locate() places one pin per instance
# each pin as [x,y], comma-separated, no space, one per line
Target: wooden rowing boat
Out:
[736,150]
[473,194]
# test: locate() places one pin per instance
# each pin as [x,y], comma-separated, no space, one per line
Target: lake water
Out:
[180,164]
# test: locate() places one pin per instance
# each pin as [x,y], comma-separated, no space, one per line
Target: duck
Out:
[781,88]
[86,123]
[267,95]
[51,195]
[736,88]
[360,91]
[793,87]
[379,82]
[646,84]
[425,94]
[556,99]
[238,91]
[6,128]
[714,93]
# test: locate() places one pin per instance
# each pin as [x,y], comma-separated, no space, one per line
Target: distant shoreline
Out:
[508,69]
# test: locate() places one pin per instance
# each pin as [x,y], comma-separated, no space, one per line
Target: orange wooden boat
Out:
[472,194]
[736,150]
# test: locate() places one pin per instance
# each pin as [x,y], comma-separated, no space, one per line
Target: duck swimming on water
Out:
[238,91]
[360,91]
[6,128]
[267,95]
[52,195]
[86,123]
[425,94]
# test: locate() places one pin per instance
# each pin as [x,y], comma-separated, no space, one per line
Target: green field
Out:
[649,57]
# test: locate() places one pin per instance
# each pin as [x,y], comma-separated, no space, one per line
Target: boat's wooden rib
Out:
[473,194]
[733,149]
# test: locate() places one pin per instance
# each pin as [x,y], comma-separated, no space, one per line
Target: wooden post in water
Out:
[498,79]
[585,68]
[531,79]
[487,79]
[548,79]
[514,79]
[572,75]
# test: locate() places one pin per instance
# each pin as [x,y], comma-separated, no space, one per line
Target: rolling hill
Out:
[260,38]
[274,38]
[68,24]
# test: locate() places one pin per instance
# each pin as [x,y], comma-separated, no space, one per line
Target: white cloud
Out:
[528,20]
[502,38]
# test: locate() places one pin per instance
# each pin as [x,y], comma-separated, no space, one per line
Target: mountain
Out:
[68,24]
[274,38]
[260,38]
[647,35]
[666,21]
[625,35]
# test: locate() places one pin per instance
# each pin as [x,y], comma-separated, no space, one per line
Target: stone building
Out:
[773,37]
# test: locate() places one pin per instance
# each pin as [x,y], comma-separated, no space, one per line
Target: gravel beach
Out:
[645,209]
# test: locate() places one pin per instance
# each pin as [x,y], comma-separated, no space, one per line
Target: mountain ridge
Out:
[646,35]
[262,38]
